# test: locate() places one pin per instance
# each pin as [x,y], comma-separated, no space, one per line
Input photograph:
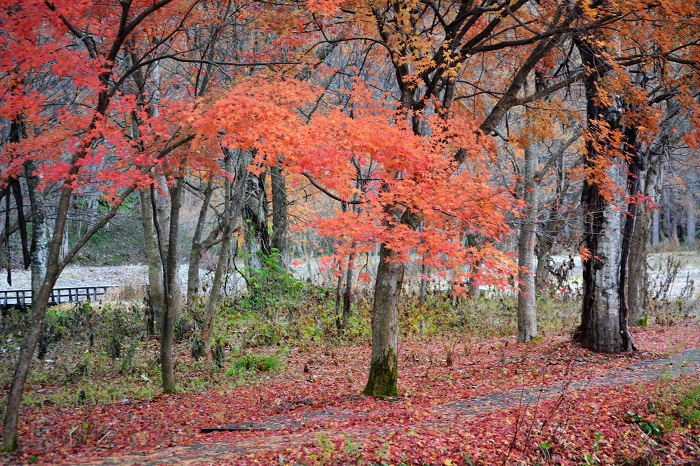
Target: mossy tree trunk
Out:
[383,373]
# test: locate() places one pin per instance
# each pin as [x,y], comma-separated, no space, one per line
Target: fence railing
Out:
[74,294]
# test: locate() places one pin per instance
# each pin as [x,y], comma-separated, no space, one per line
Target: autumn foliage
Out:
[404,117]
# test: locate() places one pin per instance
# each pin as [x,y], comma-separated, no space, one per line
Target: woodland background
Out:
[304,177]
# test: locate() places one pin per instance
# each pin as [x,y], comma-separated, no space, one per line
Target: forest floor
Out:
[463,400]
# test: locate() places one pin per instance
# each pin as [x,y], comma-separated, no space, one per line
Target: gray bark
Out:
[673,127]
[198,246]
[170,273]
[527,304]
[383,374]
[153,258]
[232,208]
[600,322]
[655,227]
[257,238]
[40,229]
[638,283]
[691,219]
[637,267]
[279,212]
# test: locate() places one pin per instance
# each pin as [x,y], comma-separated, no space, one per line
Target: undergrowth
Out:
[102,353]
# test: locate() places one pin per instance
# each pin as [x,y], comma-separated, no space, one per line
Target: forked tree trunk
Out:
[153,258]
[383,373]
[232,208]
[527,304]
[198,246]
[673,126]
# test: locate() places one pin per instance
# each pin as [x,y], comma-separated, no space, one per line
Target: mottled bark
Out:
[655,227]
[383,373]
[170,273]
[279,212]
[527,304]
[673,126]
[634,168]
[257,237]
[232,207]
[198,246]
[40,297]
[691,220]
[637,267]
[154,264]
[600,323]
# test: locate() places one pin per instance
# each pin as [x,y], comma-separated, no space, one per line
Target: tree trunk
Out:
[637,267]
[39,263]
[691,218]
[347,294]
[257,238]
[45,271]
[170,273]
[153,258]
[600,322]
[633,173]
[383,373]
[198,248]
[279,212]
[655,227]
[637,263]
[232,209]
[527,304]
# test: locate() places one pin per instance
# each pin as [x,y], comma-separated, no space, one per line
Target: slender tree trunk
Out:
[347,294]
[655,227]
[669,226]
[691,218]
[279,212]
[153,258]
[170,273]
[197,248]
[44,276]
[637,263]
[633,173]
[232,209]
[637,267]
[39,264]
[527,304]
[383,373]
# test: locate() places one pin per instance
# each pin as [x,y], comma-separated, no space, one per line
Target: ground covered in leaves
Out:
[463,400]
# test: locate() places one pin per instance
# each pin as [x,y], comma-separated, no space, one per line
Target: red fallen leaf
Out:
[374,423]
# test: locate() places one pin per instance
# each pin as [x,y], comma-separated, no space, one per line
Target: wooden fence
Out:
[23,298]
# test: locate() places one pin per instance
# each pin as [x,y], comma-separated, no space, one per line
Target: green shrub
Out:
[689,408]
[254,363]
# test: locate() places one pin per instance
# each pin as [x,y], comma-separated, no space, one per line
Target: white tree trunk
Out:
[527,303]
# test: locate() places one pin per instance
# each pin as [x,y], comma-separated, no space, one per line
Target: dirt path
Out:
[312,423]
